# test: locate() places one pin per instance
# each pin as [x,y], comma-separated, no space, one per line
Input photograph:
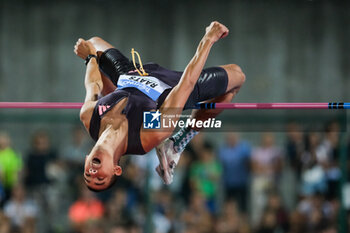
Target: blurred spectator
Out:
[197,218]
[60,172]
[87,208]
[196,145]
[331,165]
[348,220]
[313,177]
[21,211]
[275,217]
[2,195]
[38,159]
[74,153]
[129,227]
[235,160]
[297,222]
[267,158]
[308,157]
[205,175]
[330,144]
[117,208]
[317,222]
[191,153]
[5,226]
[92,227]
[319,212]
[348,161]
[134,182]
[268,223]
[295,146]
[314,180]
[231,220]
[180,183]
[29,226]
[10,164]
[181,186]
[118,229]
[266,167]
[146,166]
[274,204]
[164,212]
[320,160]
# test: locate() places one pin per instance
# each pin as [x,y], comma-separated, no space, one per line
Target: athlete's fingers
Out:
[80,41]
[216,31]
[88,43]
[224,35]
[225,31]
[90,47]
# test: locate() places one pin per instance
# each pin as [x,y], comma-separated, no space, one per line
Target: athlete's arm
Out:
[180,93]
[93,80]
[178,96]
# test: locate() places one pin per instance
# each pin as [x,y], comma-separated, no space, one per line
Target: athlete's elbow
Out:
[84,119]
[189,77]
[82,116]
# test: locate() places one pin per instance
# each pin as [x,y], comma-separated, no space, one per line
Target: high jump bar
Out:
[75,105]
[330,105]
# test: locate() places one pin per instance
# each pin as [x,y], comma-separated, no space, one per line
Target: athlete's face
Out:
[99,170]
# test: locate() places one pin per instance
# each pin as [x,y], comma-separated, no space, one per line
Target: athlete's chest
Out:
[113,115]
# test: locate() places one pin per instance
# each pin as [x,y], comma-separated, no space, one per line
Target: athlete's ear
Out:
[117,170]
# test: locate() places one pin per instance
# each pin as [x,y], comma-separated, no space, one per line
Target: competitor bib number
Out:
[149,85]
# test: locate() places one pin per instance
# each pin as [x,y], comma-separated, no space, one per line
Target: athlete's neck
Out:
[114,141]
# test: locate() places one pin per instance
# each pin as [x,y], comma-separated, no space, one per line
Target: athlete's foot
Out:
[168,159]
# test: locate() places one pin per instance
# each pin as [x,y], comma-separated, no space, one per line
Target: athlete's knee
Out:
[100,44]
[235,74]
[95,39]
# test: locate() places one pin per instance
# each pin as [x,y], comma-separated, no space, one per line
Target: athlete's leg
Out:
[236,78]
[178,96]
[101,46]
[172,106]
[112,62]
[227,84]
[231,79]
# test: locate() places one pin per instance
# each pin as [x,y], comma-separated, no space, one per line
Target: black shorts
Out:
[211,83]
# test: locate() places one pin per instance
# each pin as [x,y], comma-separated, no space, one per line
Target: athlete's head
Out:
[100,170]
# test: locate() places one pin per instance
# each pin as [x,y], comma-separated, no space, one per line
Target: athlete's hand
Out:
[216,31]
[83,48]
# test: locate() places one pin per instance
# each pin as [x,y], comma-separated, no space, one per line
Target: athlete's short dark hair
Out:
[113,180]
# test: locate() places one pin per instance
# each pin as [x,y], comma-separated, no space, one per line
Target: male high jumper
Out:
[119,91]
